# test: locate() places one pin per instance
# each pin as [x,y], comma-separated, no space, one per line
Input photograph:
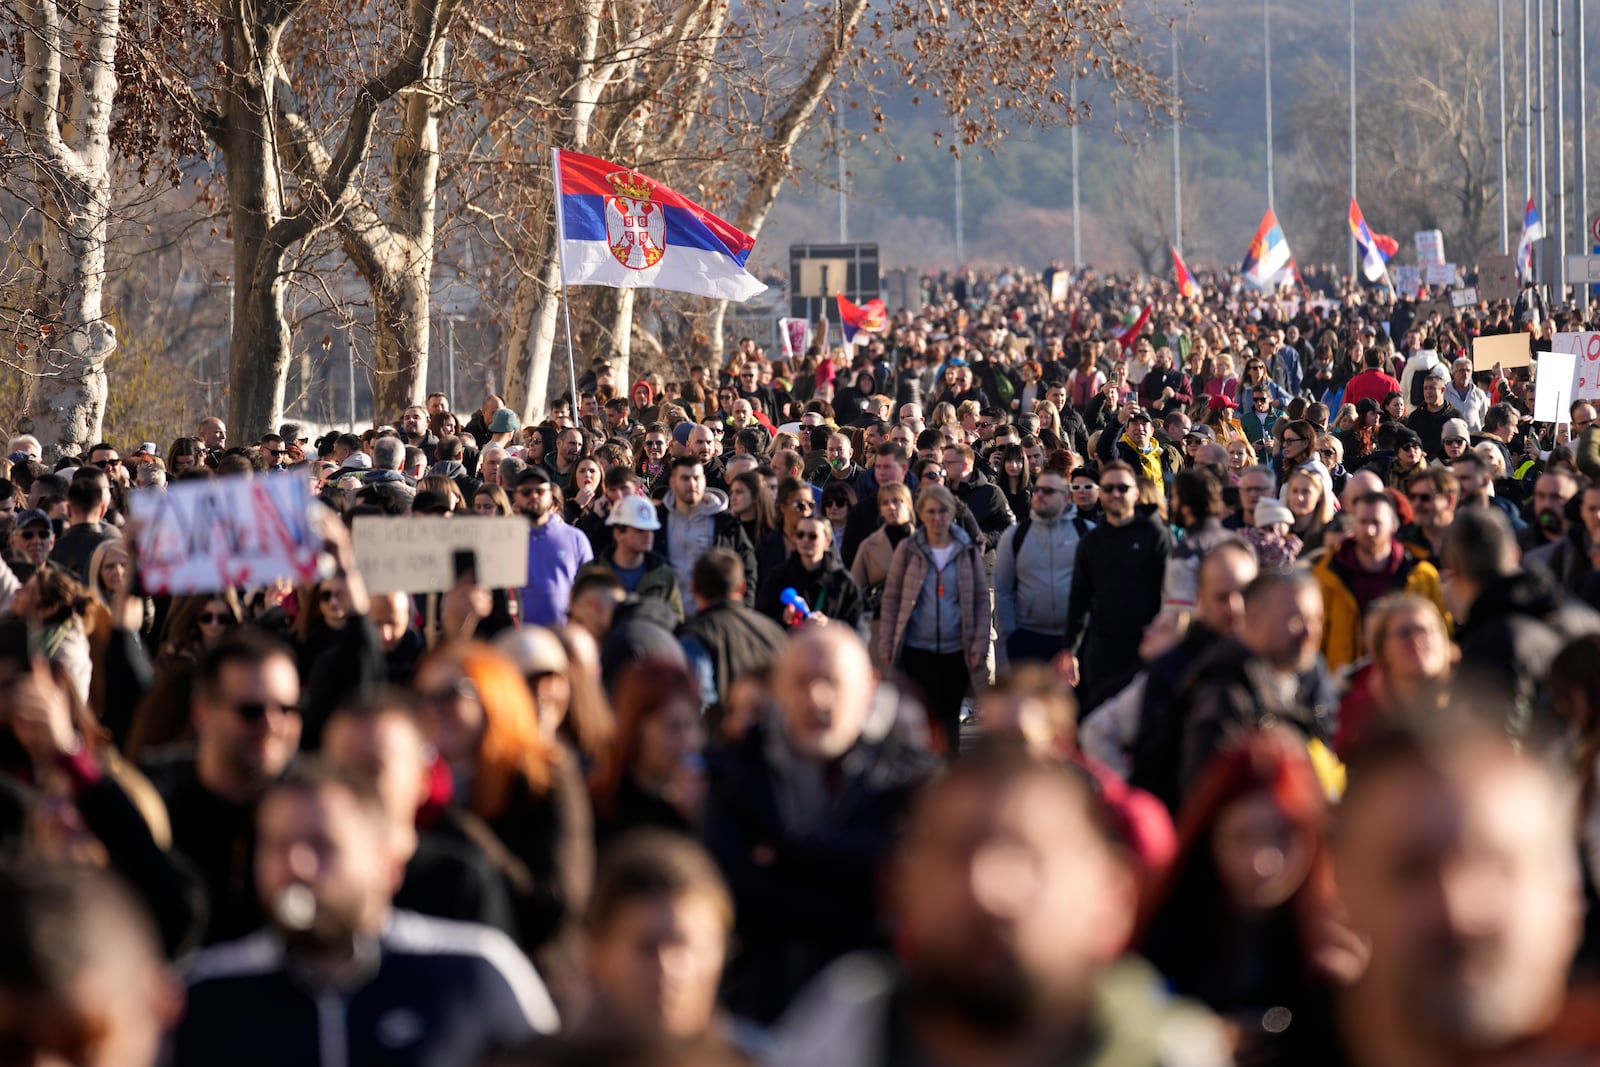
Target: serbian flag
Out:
[1127,337]
[622,229]
[1532,230]
[1268,262]
[1375,248]
[1186,283]
[858,322]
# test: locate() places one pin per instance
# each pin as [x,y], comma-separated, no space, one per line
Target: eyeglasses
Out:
[1044,490]
[1454,441]
[1116,488]
[932,472]
[277,453]
[1327,451]
[801,504]
[1293,440]
[107,464]
[255,710]
[655,444]
[31,535]
[207,618]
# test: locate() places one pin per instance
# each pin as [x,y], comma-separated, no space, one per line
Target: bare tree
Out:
[64,108]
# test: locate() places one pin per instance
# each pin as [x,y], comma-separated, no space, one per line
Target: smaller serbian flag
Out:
[1375,248]
[622,229]
[1186,282]
[1268,262]
[1532,230]
[858,322]
[1126,338]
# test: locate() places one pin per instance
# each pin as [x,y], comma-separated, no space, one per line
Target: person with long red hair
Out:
[1239,921]
[652,774]
[515,794]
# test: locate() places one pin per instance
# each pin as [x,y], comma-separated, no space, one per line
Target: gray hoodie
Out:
[690,536]
[1032,593]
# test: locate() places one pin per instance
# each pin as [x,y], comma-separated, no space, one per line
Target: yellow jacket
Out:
[1342,638]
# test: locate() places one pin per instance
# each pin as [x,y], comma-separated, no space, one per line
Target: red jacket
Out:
[1374,383]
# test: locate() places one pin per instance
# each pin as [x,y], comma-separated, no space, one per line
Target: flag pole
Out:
[561,264]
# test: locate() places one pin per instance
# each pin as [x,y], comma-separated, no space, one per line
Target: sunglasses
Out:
[107,464]
[807,537]
[32,535]
[209,617]
[1454,441]
[1044,490]
[1327,451]
[801,505]
[1421,498]
[1118,489]
[327,595]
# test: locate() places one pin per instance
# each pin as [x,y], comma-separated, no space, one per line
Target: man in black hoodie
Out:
[981,496]
[1117,584]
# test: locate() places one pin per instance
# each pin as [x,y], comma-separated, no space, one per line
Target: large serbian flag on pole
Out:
[1268,262]
[859,322]
[622,229]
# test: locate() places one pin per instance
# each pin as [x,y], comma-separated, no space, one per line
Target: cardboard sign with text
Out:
[1553,395]
[1430,246]
[1497,278]
[1585,349]
[416,553]
[1507,349]
[1440,274]
[225,533]
[1465,297]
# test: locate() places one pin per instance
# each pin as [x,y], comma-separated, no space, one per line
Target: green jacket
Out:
[659,581]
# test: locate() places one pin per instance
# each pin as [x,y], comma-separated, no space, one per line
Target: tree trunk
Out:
[534,312]
[67,394]
[716,332]
[622,336]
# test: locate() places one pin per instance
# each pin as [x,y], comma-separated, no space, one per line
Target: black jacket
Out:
[1509,637]
[989,510]
[738,640]
[829,589]
[805,892]
[1116,579]
[1158,748]
[1572,568]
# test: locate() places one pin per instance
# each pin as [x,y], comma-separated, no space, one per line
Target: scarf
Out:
[1149,459]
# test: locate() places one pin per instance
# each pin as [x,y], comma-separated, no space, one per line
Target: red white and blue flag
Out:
[1375,248]
[1186,282]
[622,229]
[1268,263]
[858,322]
[1532,230]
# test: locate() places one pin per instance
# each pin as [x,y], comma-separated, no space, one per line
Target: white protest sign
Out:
[1585,347]
[208,535]
[1060,282]
[416,553]
[1553,393]
[1441,273]
[1430,246]
[1465,297]
[1407,278]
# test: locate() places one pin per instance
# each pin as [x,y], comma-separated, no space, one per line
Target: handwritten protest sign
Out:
[222,533]
[1441,274]
[1553,395]
[1407,279]
[416,554]
[1585,347]
[1430,246]
[1507,349]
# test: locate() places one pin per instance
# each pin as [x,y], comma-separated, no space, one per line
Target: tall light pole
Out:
[1266,31]
[1352,127]
[1505,207]
[1177,156]
[1077,244]
[1583,152]
[1558,43]
[1544,183]
[1527,99]
[844,203]
[961,254]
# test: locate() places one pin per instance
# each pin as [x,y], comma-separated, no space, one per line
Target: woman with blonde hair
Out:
[943,414]
[1312,505]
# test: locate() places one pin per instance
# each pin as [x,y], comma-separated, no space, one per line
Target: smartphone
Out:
[464,563]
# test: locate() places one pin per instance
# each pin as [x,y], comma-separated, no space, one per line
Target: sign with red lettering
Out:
[239,532]
[1586,374]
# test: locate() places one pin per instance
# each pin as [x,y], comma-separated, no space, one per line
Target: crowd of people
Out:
[1125,679]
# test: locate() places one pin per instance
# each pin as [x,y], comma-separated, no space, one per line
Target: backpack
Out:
[1079,523]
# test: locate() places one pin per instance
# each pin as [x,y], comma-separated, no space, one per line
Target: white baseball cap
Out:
[634,512]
